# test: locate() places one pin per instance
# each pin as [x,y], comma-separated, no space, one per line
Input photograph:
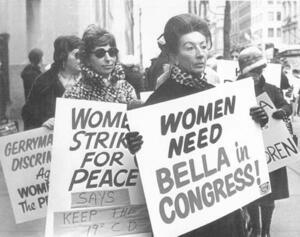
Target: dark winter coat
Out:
[278,178]
[40,105]
[29,74]
[230,225]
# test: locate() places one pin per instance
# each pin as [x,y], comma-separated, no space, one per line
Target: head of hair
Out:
[95,36]
[63,45]
[35,56]
[182,24]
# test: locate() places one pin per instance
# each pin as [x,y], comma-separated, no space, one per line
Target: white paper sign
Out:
[227,70]
[280,148]
[202,157]
[272,74]
[145,95]
[95,189]
[25,159]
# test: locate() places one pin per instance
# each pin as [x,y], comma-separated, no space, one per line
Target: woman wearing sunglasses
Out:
[63,74]
[102,75]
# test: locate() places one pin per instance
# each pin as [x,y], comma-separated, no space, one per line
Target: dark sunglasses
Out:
[100,53]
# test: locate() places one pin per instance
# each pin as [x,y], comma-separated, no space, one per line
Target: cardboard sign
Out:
[272,74]
[202,157]
[93,174]
[227,70]
[25,159]
[145,95]
[280,147]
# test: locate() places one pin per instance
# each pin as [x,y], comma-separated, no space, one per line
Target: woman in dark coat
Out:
[252,62]
[187,42]
[32,70]
[63,74]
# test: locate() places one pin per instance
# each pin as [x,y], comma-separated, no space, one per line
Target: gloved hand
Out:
[259,115]
[134,141]
[278,114]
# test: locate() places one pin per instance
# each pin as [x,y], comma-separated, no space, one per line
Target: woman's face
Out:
[73,62]
[192,53]
[103,59]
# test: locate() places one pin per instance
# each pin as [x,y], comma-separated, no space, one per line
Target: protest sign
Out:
[272,74]
[280,148]
[95,189]
[145,95]
[202,157]
[25,159]
[227,70]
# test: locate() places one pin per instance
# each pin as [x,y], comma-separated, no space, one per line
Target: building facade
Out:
[240,23]
[291,22]
[216,20]
[266,24]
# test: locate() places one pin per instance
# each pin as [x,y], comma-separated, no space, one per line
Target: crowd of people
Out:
[89,68]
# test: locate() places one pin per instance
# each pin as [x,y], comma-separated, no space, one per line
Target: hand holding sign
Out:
[259,115]
[134,141]
[278,114]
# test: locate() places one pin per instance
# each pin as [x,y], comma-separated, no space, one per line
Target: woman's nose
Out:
[199,51]
[107,56]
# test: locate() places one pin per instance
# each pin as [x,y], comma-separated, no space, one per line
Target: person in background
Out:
[103,78]
[252,63]
[234,54]
[133,74]
[63,74]
[188,40]
[159,67]
[32,70]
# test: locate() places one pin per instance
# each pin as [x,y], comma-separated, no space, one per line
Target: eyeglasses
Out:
[100,53]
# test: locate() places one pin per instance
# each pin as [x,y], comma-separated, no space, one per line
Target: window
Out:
[270,32]
[270,16]
[278,32]
[278,16]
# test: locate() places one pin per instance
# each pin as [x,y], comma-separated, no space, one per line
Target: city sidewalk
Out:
[286,217]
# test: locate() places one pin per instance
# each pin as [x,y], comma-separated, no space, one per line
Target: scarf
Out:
[188,79]
[97,79]
[94,86]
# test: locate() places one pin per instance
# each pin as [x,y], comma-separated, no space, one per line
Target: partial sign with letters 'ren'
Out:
[280,147]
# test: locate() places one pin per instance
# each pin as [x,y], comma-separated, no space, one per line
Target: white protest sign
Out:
[145,95]
[280,148]
[272,74]
[95,189]
[25,159]
[202,157]
[227,70]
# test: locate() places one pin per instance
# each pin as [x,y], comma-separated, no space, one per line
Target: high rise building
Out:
[291,22]
[240,23]
[266,22]
[216,22]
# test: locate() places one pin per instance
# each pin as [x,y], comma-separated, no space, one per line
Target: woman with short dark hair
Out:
[32,70]
[103,78]
[63,74]
[187,42]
